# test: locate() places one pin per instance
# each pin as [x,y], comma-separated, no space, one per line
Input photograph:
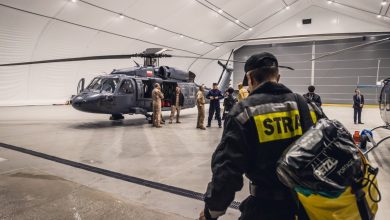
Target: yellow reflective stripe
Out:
[313,116]
[278,125]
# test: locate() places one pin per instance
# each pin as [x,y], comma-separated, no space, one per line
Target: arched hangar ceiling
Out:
[49,29]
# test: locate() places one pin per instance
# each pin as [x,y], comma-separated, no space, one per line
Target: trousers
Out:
[357,114]
[156,115]
[217,110]
[175,109]
[201,116]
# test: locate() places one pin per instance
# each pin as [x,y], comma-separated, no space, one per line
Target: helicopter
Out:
[129,90]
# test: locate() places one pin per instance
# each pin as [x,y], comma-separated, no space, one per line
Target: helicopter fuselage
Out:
[122,94]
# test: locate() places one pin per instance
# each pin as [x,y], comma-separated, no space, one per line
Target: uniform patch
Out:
[278,125]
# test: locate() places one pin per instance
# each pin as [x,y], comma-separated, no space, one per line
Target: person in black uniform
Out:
[256,132]
[311,96]
[358,103]
[228,102]
[214,95]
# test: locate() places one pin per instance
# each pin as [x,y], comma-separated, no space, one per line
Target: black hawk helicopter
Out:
[129,90]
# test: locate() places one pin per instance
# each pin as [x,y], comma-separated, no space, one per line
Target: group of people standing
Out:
[177,102]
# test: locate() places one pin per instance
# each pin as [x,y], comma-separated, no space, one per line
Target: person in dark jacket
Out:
[358,103]
[228,102]
[214,95]
[312,96]
[177,102]
[256,132]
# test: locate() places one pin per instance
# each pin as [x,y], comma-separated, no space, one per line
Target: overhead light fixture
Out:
[155,28]
[329,2]
[181,36]
[220,11]
[74,1]
[201,42]
[217,48]
[250,29]
[379,16]
[384,2]
[287,7]
[237,21]
[121,16]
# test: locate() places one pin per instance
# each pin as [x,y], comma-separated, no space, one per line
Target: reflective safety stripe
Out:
[312,113]
[278,125]
[313,116]
[265,108]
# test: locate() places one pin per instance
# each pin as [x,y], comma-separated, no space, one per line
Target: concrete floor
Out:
[177,155]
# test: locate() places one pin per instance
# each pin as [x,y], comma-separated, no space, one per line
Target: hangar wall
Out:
[335,77]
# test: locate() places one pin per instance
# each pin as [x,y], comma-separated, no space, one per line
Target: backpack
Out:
[331,177]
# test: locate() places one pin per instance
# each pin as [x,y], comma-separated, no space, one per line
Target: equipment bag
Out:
[330,175]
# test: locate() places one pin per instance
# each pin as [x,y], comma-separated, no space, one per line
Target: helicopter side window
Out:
[126,87]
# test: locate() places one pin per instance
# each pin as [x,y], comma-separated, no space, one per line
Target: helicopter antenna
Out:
[137,64]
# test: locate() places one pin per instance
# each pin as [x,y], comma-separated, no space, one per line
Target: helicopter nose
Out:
[86,103]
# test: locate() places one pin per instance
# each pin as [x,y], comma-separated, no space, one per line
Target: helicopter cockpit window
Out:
[95,84]
[109,85]
[126,87]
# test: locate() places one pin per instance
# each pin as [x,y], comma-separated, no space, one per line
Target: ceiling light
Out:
[287,7]
[220,11]
[201,42]
[384,2]
[379,16]
[237,21]
[329,2]
[74,0]
[121,16]
[250,29]
[155,28]
[217,48]
[181,36]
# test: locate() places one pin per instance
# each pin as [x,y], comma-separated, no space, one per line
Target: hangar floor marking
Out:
[116,175]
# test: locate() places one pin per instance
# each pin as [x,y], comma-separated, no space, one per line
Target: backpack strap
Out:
[361,202]
[304,113]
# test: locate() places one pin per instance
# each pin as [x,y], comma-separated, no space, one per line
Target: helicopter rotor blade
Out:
[351,48]
[224,66]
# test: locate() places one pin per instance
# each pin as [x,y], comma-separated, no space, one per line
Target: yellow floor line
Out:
[348,105]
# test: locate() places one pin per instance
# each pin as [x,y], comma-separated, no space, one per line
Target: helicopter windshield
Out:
[104,84]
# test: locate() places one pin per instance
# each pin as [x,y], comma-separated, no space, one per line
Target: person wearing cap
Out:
[214,95]
[228,102]
[256,132]
[242,92]
[311,96]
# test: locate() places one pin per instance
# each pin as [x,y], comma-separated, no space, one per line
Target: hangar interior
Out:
[60,163]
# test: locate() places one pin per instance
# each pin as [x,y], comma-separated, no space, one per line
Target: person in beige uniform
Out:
[200,102]
[242,92]
[176,103]
[157,95]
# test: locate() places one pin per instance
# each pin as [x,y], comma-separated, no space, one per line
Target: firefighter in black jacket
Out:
[256,132]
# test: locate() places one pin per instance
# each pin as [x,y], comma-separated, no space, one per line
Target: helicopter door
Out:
[125,98]
[80,86]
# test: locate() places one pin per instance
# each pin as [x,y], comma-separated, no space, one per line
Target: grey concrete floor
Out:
[177,155]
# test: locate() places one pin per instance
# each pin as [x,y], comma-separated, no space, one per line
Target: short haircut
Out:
[311,88]
[215,84]
[156,85]
[265,73]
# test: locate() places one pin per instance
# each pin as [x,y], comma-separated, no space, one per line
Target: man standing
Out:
[157,95]
[256,133]
[312,96]
[358,102]
[176,103]
[214,95]
[242,92]
[200,101]
[228,102]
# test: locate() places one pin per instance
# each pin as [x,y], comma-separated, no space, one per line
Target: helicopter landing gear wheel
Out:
[115,117]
